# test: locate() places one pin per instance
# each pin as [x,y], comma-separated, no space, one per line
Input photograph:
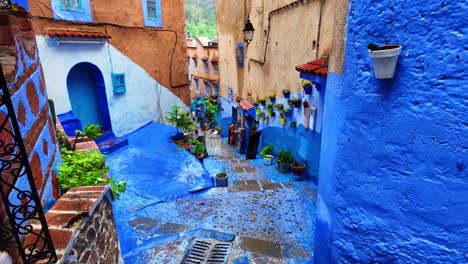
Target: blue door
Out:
[88,95]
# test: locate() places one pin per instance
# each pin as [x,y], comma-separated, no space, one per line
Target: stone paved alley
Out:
[269,215]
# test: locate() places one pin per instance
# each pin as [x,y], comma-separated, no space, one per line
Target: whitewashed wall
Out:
[145,100]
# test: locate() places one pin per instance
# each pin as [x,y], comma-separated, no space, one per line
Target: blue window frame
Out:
[205,64]
[73,10]
[216,89]
[207,88]
[118,83]
[215,67]
[195,64]
[152,13]
[197,85]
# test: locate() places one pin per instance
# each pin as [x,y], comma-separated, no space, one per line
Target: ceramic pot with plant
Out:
[262,101]
[221,179]
[279,107]
[267,154]
[297,168]
[285,158]
[269,108]
[384,58]
[286,93]
[307,86]
[272,97]
[200,152]
[282,119]
[296,102]
[293,124]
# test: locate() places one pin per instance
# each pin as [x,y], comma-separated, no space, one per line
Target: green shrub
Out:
[267,150]
[181,119]
[85,169]
[91,131]
[285,157]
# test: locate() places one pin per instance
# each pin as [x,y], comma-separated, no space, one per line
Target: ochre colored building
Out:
[202,56]
[127,58]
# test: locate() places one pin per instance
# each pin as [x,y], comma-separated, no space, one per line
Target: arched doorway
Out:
[87,94]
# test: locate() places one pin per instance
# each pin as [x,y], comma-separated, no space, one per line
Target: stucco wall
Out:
[292,31]
[393,164]
[160,51]
[145,99]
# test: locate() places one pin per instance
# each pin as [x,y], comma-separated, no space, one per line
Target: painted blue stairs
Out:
[109,143]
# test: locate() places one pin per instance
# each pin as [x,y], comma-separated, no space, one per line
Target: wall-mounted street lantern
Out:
[5,4]
[248,31]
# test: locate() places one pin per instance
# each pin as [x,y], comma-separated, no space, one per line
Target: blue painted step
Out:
[109,143]
[69,123]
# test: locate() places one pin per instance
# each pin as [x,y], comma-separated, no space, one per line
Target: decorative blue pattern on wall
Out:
[393,179]
[150,19]
[83,14]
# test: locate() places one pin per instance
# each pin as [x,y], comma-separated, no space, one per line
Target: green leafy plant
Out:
[91,131]
[211,109]
[285,157]
[63,140]
[279,106]
[85,169]
[373,46]
[285,90]
[269,106]
[261,100]
[181,119]
[200,150]
[305,83]
[267,150]
[194,142]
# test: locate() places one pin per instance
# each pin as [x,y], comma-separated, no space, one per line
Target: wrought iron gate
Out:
[27,226]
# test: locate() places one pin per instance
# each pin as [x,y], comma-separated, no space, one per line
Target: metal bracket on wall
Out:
[27,224]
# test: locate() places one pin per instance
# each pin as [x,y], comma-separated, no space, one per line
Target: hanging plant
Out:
[272,97]
[262,101]
[307,86]
[286,93]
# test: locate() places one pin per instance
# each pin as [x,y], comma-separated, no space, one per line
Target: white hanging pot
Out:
[385,60]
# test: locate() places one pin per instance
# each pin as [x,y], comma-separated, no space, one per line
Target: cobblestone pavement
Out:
[269,215]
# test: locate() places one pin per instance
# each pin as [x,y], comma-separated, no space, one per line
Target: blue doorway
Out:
[87,93]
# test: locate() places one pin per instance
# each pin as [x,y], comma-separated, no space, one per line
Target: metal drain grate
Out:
[207,251]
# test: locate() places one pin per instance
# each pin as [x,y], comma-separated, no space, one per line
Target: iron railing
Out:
[5,4]
[27,226]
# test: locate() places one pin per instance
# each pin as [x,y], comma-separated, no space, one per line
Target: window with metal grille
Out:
[152,14]
[215,67]
[71,5]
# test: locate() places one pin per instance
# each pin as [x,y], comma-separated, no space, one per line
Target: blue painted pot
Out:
[283,167]
[307,89]
[221,179]
[286,94]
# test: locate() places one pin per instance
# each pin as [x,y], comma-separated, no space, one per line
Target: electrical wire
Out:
[141,29]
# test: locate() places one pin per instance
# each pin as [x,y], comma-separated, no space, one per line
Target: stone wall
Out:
[22,69]
[393,175]
[83,228]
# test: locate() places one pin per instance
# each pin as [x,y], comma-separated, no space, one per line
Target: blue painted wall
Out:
[393,178]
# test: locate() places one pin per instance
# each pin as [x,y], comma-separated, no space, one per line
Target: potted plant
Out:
[305,104]
[279,106]
[286,93]
[267,154]
[293,124]
[285,158]
[296,102]
[297,168]
[200,152]
[181,119]
[262,101]
[269,108]
[384,58]
[307,86]
[221,179]
[282,119]
[193,144]
[272,97]
[287,112]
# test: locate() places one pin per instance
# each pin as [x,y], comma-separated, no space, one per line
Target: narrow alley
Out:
[269,216]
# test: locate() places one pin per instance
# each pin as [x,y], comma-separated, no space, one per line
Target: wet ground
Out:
[268,215]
